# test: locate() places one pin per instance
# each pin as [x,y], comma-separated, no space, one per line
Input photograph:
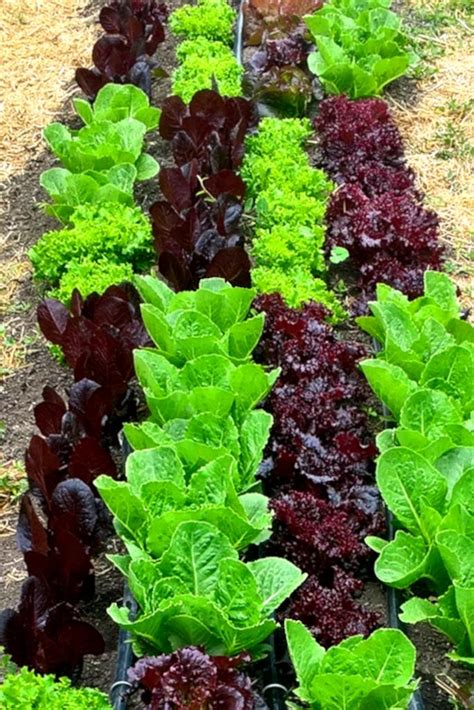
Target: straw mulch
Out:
[41,44]
[439,141]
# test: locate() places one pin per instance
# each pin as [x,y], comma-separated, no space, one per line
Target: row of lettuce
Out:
[191,502]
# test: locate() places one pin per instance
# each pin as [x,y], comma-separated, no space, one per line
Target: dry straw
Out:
[41,43]
[438,132]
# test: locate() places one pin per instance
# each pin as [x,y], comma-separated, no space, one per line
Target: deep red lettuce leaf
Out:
[211,130]
[196,229]
[188,679]
[133,31]
[329,608]
[319,465]
[47,637]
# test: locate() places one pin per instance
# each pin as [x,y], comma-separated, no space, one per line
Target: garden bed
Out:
[30,365]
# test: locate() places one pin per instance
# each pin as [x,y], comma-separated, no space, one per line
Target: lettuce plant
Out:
[360,47]
[197,227]
[97,337]
[25,689]
[198,592]
[188,678]
[184,510]
[223,123]
[90,276]
[163,490]
[206,64]
[210,19]
[115,103]
[377,214]
[199,384]
[102,159]
[357,673]
[319,470]
[289,200]
[277,71]
[206,60]
[133,29]
[116,233]
[61,519]
[69,191]
[426,471]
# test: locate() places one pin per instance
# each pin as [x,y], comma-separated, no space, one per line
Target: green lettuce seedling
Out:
[118,233]
[24,690]
[200,593]
[360,47]
[288,199]
[425,375]
[102,160]
[210,19]
[357,674]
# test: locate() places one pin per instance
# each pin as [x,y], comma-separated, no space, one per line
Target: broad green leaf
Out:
[146,167]
[206,370]
[389,382]
[194,554]
[142,576]
[159,497]
[462,331]
[428,412]
[457,553]
[83,109]
[250,384]
[213,484]
[237,593]
[402,561]
[398,324]
[254,434]
[386,439]
[155,372]
[276,579]
[454,366]
[332,691]
[305,653]
[157,464]
[453,465]
[387,657]
[124,505]
[390,68]
[243,337]
[442,290]
[404,479]
[463,491]
[154,291]
[143,436]
[158,329]
[223,304]
[371,326]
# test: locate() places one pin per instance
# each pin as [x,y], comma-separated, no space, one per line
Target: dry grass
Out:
[12,484]
[41,44]
[13,273]
[439,140]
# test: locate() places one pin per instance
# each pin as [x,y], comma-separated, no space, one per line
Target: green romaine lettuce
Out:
[357,673]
